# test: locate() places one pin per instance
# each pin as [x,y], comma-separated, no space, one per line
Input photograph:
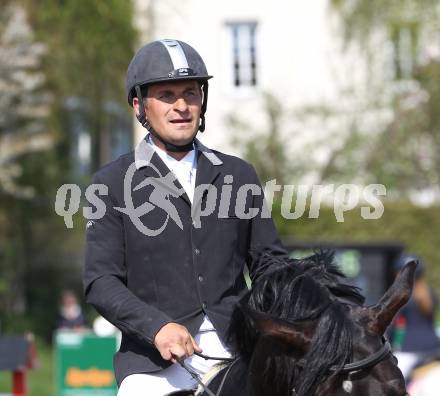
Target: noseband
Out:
[370,361]
[352,368]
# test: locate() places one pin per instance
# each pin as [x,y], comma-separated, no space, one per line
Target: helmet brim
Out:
[144,84]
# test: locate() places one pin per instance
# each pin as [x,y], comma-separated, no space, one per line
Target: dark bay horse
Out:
[300,331]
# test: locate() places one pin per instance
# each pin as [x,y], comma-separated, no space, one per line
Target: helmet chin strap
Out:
[204,106]
[173,148]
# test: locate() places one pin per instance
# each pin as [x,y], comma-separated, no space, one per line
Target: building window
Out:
[90,149]
[404,40]
[244,53]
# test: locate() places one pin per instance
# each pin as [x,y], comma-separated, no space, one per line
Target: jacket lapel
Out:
[208,170]
[149,164]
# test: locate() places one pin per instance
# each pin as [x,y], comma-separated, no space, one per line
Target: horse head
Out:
[333,348]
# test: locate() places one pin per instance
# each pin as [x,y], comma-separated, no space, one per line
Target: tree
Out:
[90,44]
[24,102]
[24,109]
[400,147]
[267,149]
[81,51]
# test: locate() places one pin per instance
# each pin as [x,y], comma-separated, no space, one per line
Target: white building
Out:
[283,47]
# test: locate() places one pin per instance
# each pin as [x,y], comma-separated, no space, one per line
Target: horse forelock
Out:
[298,290]
[332,345]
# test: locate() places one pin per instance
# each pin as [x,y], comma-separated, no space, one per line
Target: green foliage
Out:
[404,152]
[384,130]
[401,147]
[90,45]
[266,149]
[24,99]
[411,141]
[87,46]
[363,18]
[401,222]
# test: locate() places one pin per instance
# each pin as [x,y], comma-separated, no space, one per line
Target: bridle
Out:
[370,361]
[353,368]
[348,369]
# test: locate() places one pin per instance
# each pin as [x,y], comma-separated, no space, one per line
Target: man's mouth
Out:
[181,121]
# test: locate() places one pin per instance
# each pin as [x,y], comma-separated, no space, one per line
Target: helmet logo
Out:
[183,71]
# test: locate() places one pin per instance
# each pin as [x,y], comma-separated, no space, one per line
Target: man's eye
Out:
[166,95]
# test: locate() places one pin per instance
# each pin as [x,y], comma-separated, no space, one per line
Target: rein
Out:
[206,357]
[196,376]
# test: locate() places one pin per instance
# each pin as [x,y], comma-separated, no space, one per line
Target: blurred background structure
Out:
[321,92]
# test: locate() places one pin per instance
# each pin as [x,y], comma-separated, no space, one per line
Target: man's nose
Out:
[180,104]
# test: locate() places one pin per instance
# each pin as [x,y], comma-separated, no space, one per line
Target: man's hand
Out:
[174,341]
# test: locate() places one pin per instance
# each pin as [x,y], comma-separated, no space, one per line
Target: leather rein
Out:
[196,376]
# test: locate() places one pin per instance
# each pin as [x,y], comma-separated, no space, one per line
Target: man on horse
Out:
[171,292]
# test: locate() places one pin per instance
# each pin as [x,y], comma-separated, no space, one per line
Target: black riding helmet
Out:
[166,60]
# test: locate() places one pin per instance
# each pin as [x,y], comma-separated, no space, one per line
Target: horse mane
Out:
[297,290]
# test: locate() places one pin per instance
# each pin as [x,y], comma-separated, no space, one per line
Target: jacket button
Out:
[200,278]
[204,305]
[197,251]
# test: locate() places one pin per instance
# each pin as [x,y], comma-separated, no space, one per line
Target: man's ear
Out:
[136,105]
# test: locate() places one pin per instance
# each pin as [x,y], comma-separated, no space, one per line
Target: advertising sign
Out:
[84,364]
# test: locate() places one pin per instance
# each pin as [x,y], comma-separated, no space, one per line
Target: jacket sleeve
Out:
[263,236]
[105,277]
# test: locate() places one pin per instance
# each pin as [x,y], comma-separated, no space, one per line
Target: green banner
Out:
[84,364]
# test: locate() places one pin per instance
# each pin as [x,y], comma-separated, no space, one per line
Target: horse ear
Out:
[297,335]
[381,314]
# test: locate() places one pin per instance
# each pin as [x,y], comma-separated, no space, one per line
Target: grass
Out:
[41,379]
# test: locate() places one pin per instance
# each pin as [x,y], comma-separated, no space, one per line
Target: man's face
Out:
[173,110]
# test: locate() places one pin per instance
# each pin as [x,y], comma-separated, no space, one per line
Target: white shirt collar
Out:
[188,162]
[144,151]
